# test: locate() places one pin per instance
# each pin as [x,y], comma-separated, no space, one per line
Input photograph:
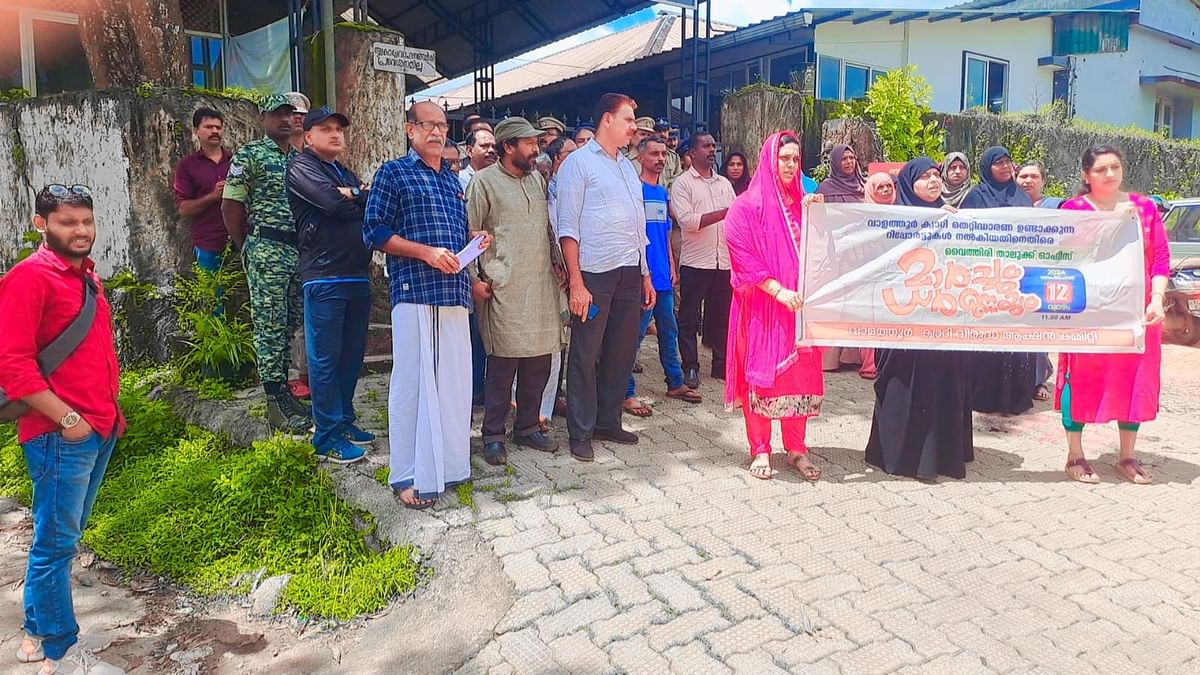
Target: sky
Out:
[736,12]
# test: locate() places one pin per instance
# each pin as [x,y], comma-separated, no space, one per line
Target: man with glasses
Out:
[416,213]
[72,421]
[256,196]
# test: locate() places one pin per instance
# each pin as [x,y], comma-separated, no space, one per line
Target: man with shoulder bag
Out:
[58,379]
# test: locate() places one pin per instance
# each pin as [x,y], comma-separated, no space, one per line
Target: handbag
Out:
[52,356]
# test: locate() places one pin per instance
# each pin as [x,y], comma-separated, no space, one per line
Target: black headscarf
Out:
[842,187]
[907,178]
[991,193]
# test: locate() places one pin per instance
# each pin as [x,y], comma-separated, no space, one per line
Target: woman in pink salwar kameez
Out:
[766,373]
[1100,388]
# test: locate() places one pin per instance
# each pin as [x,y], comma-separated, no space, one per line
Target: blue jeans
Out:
[66,476]
[336,319]
[211,262]
[668,341]
[208,260]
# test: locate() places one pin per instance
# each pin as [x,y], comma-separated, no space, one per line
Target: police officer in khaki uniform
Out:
[552,129]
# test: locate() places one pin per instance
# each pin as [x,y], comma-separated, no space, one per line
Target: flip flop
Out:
[1041,393]
[762,471]
[808,472]
[685,393]
[640,410]
[31,657]
[416,504]
[1088,474]
[1131,470]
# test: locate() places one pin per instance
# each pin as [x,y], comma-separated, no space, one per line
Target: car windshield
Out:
[1183,223]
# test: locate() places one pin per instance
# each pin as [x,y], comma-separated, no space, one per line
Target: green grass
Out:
[381,476]
[183,502]
[466,494]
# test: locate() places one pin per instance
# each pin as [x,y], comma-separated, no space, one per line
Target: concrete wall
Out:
[937,50]
[1151,166]
[1108,89]
[124,147]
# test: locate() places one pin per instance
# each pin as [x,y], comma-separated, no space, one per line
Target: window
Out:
[785,67]
[985,83]
[829,78]
[59,61]
[857,78]
[754,71]
[10,52]
[838,80]
[207,65]
[1164,116]
[43,52]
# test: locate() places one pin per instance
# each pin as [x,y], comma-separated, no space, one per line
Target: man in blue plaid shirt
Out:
[417,215]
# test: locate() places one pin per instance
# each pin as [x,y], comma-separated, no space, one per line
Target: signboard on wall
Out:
[686,4]
[400,59]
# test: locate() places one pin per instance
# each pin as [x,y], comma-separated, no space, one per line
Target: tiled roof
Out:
[1045,5]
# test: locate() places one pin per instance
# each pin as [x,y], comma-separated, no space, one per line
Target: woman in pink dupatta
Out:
[766,373]
[1100,388]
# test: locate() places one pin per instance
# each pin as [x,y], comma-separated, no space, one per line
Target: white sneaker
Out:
[80,660]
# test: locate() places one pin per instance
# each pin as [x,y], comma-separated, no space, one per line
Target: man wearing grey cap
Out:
[300,105]
[517,296]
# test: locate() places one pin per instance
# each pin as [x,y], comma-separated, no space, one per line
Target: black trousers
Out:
[602,351]
[708,289]
[531,374]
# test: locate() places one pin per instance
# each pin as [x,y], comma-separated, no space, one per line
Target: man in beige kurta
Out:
[516,291]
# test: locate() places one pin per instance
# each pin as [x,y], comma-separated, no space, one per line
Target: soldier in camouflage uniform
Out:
[256,195]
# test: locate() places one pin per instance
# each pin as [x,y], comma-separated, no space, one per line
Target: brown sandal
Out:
[1131,470]
[685,393]
[808,472]
[1087,473]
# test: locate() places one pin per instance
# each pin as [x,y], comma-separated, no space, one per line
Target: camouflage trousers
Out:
[273,276]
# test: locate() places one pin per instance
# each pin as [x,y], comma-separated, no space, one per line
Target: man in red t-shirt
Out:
[199,182]
[73,422]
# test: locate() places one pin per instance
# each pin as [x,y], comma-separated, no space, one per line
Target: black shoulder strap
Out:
[52,356]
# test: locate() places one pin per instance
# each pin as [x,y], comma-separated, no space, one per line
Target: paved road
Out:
[669,557]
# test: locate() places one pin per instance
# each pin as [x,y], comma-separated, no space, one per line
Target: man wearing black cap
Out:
[328,201]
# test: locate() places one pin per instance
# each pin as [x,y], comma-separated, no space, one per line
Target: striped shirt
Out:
[410,200]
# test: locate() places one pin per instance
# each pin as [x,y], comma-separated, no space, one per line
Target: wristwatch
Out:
[355,192]
[70,419]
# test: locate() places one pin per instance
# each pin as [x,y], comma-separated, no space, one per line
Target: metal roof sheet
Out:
[453,28]
[632,44]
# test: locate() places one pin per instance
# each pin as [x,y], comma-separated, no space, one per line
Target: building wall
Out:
[1107,87]
[1175,17]
[937,51]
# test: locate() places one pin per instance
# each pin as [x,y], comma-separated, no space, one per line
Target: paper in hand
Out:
[471,251]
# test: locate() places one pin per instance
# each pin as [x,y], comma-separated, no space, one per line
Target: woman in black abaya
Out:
[1005,382]
[922,422]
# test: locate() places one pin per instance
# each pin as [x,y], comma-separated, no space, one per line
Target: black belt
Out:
[281,236]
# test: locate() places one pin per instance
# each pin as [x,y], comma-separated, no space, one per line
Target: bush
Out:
[899,103]
[218,340]
[183,502]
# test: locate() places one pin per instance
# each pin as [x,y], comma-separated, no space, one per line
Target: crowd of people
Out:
[525,268]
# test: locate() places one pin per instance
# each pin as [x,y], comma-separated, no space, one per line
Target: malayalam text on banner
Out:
[1015,279]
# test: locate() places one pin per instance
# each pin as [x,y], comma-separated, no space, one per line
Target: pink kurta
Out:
[763,237]
[1120,387]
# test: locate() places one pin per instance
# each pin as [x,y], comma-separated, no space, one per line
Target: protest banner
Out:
[1015,279]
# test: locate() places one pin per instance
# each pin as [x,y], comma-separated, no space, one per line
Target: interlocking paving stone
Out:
[669,557]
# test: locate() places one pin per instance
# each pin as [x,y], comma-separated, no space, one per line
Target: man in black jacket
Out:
[327,201]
